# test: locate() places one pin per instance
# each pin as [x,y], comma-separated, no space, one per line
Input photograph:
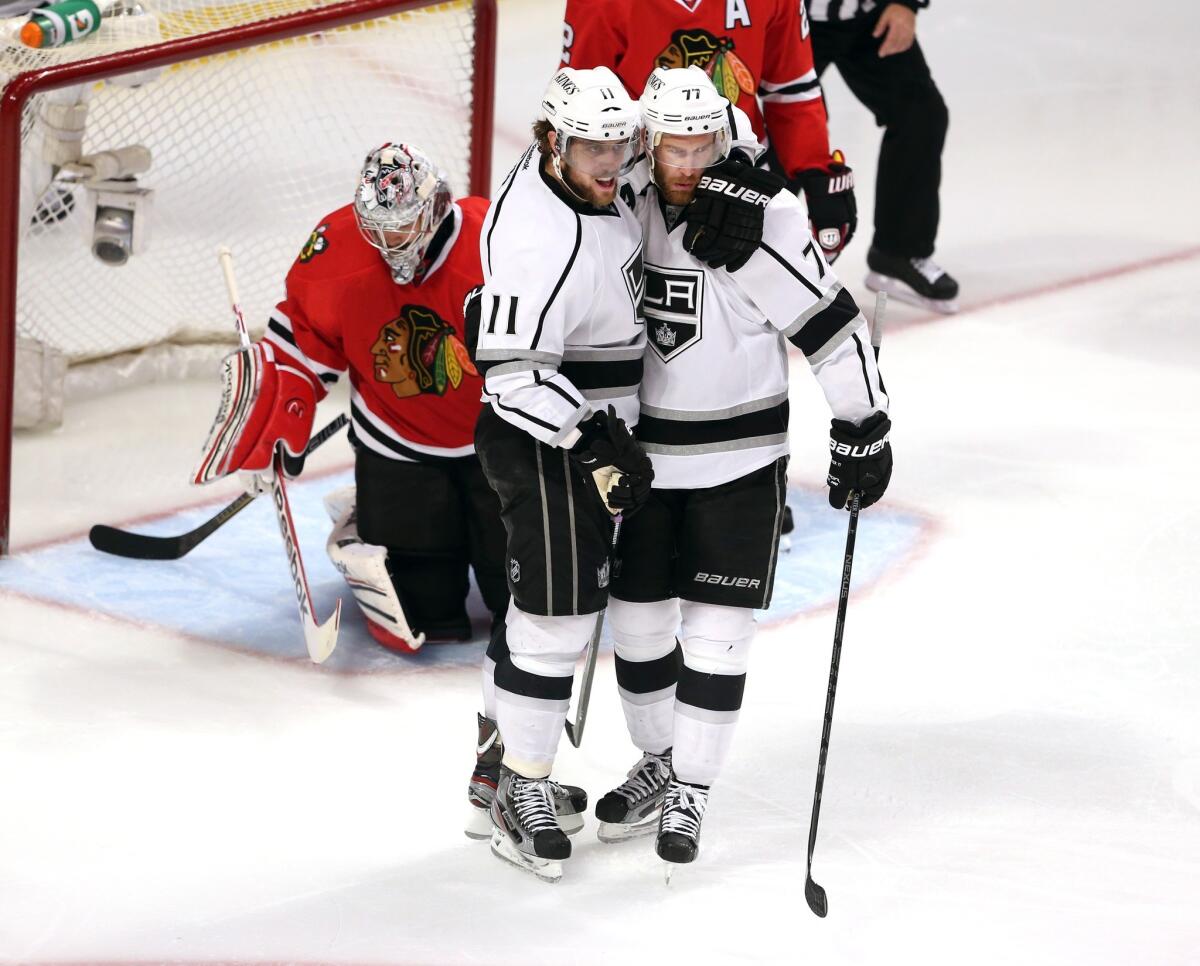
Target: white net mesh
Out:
[248,149]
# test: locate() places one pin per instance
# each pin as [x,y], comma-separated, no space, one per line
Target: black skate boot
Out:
[526,830]
[631,809]
[918,281]
[679,828]
[570,801]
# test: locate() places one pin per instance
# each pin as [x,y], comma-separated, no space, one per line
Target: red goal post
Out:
[196,47]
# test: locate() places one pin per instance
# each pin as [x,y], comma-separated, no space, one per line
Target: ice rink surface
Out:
[1015,766]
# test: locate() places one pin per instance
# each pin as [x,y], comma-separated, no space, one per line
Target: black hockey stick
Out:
[813,892]
[815,895]
[575,730]
[141,546]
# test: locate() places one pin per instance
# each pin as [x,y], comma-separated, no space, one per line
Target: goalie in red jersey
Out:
[377,292]
[759,56]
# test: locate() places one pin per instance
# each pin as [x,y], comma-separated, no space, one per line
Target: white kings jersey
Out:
[560,331]
[715,392]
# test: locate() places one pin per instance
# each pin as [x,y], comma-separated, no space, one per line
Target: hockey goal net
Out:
[254,118]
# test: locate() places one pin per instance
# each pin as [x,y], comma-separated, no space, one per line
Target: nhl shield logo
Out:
[829,238]
[514,570]
[674,307]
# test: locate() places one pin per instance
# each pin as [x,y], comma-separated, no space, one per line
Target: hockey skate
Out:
[570,801]
[918,281]
[679,827]
[631,809]
[526,831]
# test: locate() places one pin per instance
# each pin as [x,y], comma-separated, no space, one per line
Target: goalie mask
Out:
[687,122]
[595,120]
[401,200]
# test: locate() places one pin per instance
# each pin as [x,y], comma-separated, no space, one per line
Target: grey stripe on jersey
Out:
[723,446]
[507,355]
[701,415]
[609,392]
[614,354]
[808,313]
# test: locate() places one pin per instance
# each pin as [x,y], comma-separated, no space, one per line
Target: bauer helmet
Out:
[596,121]
[683,102]
[401,200]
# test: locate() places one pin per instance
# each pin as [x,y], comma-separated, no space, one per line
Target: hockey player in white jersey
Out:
[700,556]
[560,346]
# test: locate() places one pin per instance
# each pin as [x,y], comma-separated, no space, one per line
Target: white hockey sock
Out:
[716,646]
[647,660]
[533,686]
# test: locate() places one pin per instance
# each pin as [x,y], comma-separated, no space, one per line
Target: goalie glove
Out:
[262,403]
[725,216]
[860,459]
[617,465]
[832,210]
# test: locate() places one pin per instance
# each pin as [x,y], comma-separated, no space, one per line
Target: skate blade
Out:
[619,832]
[904,293]
[479,824]
[548,870]
[668,868]
[571,822]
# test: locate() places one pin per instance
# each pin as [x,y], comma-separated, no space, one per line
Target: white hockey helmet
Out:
[596,120]
[401,200]
[683,102]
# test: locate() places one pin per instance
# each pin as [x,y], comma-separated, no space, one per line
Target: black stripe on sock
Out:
[646,677]
[512,679]
[713,692]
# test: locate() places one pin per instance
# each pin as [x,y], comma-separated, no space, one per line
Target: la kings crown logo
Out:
[674,306]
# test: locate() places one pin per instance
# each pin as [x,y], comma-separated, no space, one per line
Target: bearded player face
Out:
[679,163]
[591,168]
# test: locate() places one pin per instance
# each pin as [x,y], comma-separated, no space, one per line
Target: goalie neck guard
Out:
[401,201]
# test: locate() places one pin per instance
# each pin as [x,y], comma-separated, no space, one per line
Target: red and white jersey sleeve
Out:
[757,52]
[792,104]
[414,392]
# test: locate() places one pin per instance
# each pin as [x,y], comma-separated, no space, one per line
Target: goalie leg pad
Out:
[365,568]
[262,403]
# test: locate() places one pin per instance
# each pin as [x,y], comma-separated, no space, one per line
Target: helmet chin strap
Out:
[555,162]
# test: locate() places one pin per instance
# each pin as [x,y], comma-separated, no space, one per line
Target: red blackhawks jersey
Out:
[414,393]
[757,52]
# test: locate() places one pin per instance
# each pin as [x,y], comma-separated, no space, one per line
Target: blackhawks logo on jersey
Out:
[730,76]
[419,352]
[317,243]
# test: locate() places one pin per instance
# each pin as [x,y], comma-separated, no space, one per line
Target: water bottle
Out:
[60,23]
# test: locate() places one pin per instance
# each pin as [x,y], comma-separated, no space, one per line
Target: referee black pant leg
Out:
[900,92]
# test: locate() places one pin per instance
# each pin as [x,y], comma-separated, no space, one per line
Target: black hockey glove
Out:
[832,211]
[606,452]
[860,458]
[725,217]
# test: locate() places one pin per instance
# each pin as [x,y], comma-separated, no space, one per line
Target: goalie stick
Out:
[813,893]
[320,639]
[143,546]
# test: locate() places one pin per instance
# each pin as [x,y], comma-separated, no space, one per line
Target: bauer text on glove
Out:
[860,459]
